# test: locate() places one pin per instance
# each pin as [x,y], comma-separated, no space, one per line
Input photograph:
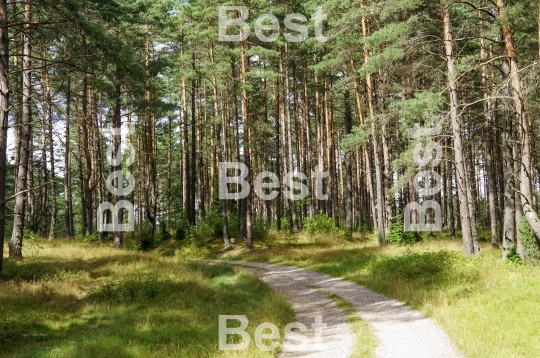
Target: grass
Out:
[73,299]
[488,307]
[366,341]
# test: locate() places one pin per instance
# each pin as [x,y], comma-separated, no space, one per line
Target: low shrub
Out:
[398,236]
[259,231]
[320,224]
[164,234]
[181,227]
[530,243]
[513,255]
[147,241]
[141,289]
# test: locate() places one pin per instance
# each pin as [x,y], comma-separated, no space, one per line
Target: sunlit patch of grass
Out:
[75,299]
[488,307]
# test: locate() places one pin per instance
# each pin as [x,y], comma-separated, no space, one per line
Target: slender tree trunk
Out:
[365,154]
[524,131]
[491,187]
[4,111]
[117,164]
[277,112]
[192,211]
[348,167]
[15,244]
[290,161]
[469,245]
[44,178]
[169,170]
[88,184]
[307,128]
[245,118]
[68,214]
[374,141]
[51,155]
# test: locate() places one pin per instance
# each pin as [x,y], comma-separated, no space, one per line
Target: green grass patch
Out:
[74,299]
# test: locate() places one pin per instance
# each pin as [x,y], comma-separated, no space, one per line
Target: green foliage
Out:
[379,61]
[164,233]
[424,105]
[201,234]
[320,224]
[398,236]
[259,231]
[427,266]
[127,291]
[31,243]
[284,225]
[147,241]
[530,243]
[358,137]
[208,228]
[182,227]
[513,255]
[347,235]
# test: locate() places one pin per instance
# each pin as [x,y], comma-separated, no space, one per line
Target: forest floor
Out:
[489,308]
[86,299]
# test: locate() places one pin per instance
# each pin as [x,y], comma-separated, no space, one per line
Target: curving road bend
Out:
[402,332]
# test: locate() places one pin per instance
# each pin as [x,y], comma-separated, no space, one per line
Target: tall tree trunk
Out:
[491,178]
[374,141]
[15,244]
[88,183]
[365,154]
[51,155]
[116,152]
[290,161]
[348,166]
[277,113]
[245,118]
[469,245]
[169,169]
[524,131]
[192,212]
[68,214]
[4,111]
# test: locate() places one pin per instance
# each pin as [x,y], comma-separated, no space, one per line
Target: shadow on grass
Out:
[129,315]
[44,268]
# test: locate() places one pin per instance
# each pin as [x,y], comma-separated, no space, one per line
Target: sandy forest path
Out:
[402,332]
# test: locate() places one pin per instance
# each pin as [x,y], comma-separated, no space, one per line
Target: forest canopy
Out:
[410,112]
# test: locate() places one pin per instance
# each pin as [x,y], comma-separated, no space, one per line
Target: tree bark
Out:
[469,245]
[116,151]
[68,214]
[524,131]
[375,143]
[348,167]
[4,114]
[54,207]
[247,155]
[25,130]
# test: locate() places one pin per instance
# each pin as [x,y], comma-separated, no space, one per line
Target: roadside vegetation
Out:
[489,307]
[73,299]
